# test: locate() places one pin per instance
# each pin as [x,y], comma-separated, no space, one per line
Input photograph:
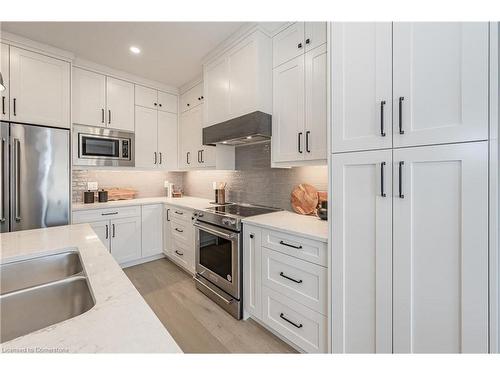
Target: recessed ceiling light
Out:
[249,137]
[135,50]
[224,142]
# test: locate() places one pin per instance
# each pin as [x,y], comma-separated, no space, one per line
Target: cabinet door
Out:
[4,68]
[152,229]
[167,102]
[167,140]
[187,154]
[216,90]
[361,86]
[120,100]
[192,97]
[362,252]
[89,98]
[252,273]
[314,34]
[243,87]
[126,239]
[441,249]
[167,234]
[146,153]
[102,229]
[288,44]
[316,109]
[39,89]
[146,97]
[288,140]
[440,82]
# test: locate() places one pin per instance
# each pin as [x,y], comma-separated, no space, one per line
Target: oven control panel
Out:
[229,221]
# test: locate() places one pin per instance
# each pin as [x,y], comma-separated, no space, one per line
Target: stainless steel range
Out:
[219,247]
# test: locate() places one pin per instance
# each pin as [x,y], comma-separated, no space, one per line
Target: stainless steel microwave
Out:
[94,146]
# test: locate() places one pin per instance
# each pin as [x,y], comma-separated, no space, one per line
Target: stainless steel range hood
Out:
[250,128]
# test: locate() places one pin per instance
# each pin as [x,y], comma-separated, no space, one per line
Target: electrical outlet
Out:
[92,185]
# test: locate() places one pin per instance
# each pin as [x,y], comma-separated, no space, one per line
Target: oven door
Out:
[218,257]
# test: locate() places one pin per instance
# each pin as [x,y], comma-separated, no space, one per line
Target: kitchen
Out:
[278,187]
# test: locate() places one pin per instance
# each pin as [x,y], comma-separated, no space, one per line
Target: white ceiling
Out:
[171,52]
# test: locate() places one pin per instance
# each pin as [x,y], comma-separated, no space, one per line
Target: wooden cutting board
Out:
[304,199]
[115,194]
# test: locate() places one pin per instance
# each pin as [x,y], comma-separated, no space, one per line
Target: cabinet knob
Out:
[159,104]
[202,97]
[155,103]
[299,45]
[188,104]
[308,41]
[251,236]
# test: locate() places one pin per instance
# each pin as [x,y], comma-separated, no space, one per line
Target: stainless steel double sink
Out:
[38,292]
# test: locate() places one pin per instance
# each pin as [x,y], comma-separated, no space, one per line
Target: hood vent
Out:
[251,128]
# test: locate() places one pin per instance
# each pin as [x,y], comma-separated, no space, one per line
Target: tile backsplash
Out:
[254,181]
[147,183]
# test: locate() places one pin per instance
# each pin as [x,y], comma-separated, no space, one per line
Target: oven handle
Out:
[227,301]
[212,229]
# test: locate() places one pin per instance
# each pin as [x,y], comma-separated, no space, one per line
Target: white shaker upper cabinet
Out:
[146,119]
[440,82]
[39,89]
[441,249]
[288,140]
[167,102]
[316,102]
[288,44]
[4,68]
[146,97]
[361,86]
[167,140]
[314,34]
[89,98]
[362,252]
[216,91]
[120,95]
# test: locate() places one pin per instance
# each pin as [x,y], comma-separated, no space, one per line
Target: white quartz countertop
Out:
[301,225]
[120,322]
[186,202]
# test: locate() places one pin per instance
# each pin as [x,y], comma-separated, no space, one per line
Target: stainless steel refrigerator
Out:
[35,190]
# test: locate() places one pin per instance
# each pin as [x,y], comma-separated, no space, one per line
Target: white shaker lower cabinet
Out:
[101,228]
[119,229]
[152,229]
[180,246]
[428,291]
[441,249]
[362,252]
[126,239]
[284,291]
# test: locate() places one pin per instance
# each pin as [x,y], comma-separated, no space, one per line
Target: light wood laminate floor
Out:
[195,322]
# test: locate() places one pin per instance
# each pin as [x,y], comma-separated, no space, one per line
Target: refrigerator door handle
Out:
[16,180]
[2,181]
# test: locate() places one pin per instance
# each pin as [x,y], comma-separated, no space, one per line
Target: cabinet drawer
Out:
[183,254]
[181,230]
[103,214]
[180,214]
[299,247]
[304,327]
[302,281]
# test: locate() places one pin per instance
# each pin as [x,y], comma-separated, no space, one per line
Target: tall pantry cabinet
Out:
[410,187]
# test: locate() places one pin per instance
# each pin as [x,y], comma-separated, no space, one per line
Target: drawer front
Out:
[299,247]
[301,281]
[87,216]
[180,214]
[181,230]
[183,254]
[304,327]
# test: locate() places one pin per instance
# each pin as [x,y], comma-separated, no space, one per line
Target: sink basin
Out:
[28,310]
[37,271]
